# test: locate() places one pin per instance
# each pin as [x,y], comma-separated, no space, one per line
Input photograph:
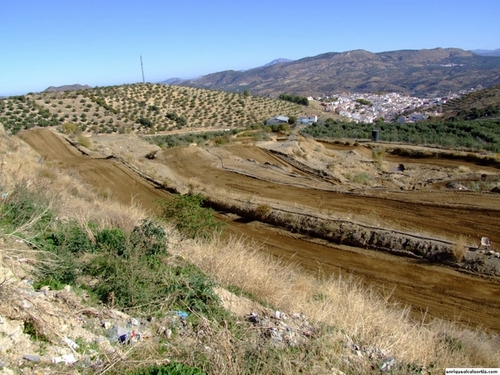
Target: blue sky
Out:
[56,42]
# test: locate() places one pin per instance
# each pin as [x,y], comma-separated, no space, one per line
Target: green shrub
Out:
[189,289]
[70,128]
[359,178]
[113,238]
[189,217]
[150,237]
[71,238]
[378,154]
[263,210]
[130,268]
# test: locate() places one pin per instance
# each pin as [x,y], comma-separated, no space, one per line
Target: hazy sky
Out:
[56,42]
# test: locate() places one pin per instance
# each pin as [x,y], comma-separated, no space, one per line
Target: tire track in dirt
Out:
[440,291]
[110,176]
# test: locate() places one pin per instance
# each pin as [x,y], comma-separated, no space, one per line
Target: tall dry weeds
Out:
[362,314]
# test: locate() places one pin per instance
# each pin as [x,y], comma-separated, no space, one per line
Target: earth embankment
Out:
[251,172]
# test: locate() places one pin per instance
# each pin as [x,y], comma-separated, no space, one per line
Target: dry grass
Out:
[463,169]
[362,314]
[83,141]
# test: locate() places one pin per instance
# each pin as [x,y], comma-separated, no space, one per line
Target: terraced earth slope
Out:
[336,181]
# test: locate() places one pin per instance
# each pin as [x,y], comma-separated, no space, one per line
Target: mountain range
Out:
[487,52]
[426,72]
[74,87]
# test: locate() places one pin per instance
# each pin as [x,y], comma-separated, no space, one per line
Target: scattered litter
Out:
[134,322]
[68,359]
[182,314]
[388,364]
[485,241]
[70,343]
[32,358]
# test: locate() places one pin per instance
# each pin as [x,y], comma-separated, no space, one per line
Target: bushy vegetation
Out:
[134,268]
[175,140]
[190,218]
[479,135]
[294,99]
[170,369]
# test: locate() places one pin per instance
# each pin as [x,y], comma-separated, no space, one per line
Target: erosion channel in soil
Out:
[413,203]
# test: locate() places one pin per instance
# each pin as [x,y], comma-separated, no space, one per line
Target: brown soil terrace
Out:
[285,175]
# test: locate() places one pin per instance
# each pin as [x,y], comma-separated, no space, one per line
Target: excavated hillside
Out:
[340,187]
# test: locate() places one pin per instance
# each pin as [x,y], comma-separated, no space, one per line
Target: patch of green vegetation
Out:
[32,329]
[294,99]
[27,209]
[477,135]
[359,178]
[364,102]
[172,368]
[131,270]
[190,217]
[168,141]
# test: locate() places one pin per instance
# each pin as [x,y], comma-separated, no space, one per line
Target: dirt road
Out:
[440,291]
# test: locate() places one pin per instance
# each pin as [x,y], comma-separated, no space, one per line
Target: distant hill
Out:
[74,87]
[172,81]
[487,52]
[180,81]
[277,61]
[415,72]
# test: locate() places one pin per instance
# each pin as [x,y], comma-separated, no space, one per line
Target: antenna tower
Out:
[142,68]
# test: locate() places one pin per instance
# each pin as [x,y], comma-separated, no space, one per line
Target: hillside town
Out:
[369,107]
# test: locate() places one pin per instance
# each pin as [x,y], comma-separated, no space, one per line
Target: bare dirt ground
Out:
[413,200]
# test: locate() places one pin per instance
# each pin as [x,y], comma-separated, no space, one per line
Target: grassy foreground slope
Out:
[70,234]
[143,108]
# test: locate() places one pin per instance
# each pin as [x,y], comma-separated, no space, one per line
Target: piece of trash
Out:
[67,359]
[123,338]
[5,195]
[134,322]
[388,364]
[32,358]
[129,337]
[182,314]
[70,343]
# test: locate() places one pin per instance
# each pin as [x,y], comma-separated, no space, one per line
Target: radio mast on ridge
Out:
[142,68]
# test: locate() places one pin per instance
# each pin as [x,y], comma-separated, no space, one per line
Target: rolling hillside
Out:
[141,108]
[480,104]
